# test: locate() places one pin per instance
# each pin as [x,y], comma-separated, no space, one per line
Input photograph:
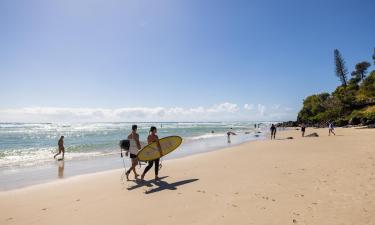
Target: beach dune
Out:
[317,180]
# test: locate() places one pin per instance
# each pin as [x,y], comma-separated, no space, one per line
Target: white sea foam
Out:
[206,136]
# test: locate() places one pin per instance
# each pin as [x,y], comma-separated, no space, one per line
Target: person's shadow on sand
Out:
[142,183]
[161,185]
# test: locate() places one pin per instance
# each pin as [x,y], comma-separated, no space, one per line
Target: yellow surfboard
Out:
[151,151]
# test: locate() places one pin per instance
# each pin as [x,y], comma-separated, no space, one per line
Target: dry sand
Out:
[324,180]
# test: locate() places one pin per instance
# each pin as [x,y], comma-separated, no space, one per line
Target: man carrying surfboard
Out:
[152,137]
[229,133]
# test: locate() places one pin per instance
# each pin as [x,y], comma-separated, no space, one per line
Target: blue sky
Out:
[65,59]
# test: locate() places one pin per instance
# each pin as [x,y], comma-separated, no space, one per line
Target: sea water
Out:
[27,149]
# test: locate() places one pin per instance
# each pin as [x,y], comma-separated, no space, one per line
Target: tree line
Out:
[352,102]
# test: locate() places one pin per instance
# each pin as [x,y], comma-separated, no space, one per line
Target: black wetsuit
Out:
[150,164]
[273,131]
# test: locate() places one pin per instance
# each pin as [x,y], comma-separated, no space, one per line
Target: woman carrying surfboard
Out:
[135,145]
[152,137]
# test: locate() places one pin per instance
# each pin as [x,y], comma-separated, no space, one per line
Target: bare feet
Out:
[142,177]
[127,175]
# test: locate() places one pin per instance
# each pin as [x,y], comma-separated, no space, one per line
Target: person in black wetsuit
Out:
[303,129]
[273,131]
[152,137]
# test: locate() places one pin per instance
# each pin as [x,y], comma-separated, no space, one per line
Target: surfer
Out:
[61,148]
[135,145]
[229,133]
[273,131]
[152,137]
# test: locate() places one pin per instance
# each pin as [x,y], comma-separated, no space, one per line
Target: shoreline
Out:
[44,174]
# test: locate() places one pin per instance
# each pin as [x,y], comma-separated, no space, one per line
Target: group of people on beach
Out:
[331,130]
[135,146]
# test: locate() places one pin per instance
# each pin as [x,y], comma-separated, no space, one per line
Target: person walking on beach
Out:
[152,137]
[134,147]
[273,131]
[331,129]
[229,133]
[61,148]
[303,129]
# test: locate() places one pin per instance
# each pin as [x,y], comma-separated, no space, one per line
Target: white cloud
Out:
[220,112]
[224,107]
[261,109]
[248,107]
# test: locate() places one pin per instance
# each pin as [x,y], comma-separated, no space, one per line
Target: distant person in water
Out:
[134,147]
[61,148]
[273,132]
[331,129]
[303,129]
[229,133]
[152,137]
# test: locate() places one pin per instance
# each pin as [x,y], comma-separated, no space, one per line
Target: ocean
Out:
[27,149]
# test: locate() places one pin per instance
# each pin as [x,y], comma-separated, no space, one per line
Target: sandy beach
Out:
[323,180]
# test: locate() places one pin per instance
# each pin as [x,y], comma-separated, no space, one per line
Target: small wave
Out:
[206,136]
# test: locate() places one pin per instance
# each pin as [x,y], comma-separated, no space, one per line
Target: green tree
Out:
[341,71]
[312,106]
[361,70]
[373,56]
[367,87]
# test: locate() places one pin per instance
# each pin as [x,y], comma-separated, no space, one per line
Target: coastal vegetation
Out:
[352,102]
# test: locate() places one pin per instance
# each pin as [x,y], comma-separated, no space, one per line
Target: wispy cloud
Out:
[224,111]
[248,107]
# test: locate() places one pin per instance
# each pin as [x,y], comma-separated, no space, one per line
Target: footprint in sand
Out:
[296,214]
[202,191]
[8,219]
[44,209]
[77,200]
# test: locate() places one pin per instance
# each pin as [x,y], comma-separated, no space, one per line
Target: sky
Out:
[174,60]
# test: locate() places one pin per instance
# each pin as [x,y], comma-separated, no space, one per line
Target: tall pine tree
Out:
[341,71]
